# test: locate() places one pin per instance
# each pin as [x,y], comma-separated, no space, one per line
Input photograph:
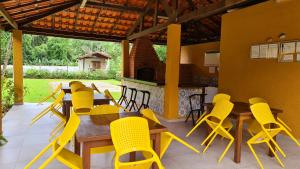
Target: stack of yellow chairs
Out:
[166,137]
[215,121]
[83,101]
[132,134]
[52,95]
[59,152]
[265,118]
[253,125]
[100,110]
[108,95]
[54,109]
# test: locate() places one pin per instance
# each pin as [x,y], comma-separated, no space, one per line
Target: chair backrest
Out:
[262,113]
[73,82]
[83,100]
[148,113]
[221,109]
[105,109]
[220,96]
[59,98]
[84,89]
[95,88]
[69,130]
[130,134]
[76,86]
[255,100]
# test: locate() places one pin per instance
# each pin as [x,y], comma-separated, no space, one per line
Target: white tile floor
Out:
[26,141]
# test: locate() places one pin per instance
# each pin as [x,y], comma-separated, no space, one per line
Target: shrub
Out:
[7,94]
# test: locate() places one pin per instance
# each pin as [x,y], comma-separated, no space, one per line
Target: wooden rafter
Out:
[147,8]
[66,34]
[76,17]
[25,4]
[8,18]
[114,7]
[47,13]
[203,12]
[83,2]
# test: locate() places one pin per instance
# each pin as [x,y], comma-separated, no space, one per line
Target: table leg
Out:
[273,146]
[77,146]
[86,156]
[68,107]
[238,140]
[64,109]
[156,147]
[132,156]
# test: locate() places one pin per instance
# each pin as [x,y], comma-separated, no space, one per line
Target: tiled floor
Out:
[26,141]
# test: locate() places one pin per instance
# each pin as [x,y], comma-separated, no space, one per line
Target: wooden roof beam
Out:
[203,12]
[25,4]
[8,18]
[114,7]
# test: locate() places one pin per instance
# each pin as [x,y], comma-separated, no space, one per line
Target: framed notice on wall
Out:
[287,51]
[263,51]
[273,51]
[254,51]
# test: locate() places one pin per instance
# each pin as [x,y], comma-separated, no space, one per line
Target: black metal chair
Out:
[197,105]
[123,97]
[145,99]
[132,103]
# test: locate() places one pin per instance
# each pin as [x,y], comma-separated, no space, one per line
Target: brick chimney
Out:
[143,59]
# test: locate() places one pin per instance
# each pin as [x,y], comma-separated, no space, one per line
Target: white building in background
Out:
[93,61]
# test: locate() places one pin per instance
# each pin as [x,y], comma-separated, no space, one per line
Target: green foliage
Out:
[161,51]
[7,94]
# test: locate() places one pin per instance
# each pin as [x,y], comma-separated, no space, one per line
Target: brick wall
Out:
[143,55]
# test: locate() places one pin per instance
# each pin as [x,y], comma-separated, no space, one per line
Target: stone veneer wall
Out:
[156,102]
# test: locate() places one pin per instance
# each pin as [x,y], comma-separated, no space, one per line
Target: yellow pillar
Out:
[18,66]
[125,58]
[172,72]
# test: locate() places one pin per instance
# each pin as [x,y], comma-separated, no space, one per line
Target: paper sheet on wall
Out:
[273,51]
[287,58]
[298,57]
[263,51]
[255,51]
[298,47]
[289,47]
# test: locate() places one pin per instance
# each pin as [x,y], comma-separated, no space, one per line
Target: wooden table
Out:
[241,112]
[94,131]
[67,102]
[66,89]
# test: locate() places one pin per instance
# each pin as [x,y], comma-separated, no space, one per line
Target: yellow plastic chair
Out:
[57,104]
[227,124]
[73,82]
[132,134]
[166,137]
[94,87]
[265,118]
[52,95]
[253,125]
[60,153]
[76,86]
[215,121]
[104,109]
[108,95]
[83,101]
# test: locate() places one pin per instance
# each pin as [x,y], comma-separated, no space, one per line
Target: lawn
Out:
[36,89]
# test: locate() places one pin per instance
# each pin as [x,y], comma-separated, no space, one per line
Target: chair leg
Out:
[276,156]
[182,142]
[193,129]
[210,141]
[39,116]
[292,137]
[277,146]
[225,151]
[255,155]
[188,116]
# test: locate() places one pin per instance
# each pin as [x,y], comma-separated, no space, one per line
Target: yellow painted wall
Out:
[194,54]
[242,77]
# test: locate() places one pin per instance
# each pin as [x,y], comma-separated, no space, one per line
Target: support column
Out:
[125,58]
[172,72]
[18,66]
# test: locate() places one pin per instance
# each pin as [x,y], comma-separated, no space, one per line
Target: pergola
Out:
[170,22]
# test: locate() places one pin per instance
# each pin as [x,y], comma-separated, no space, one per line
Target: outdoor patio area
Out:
[25,141]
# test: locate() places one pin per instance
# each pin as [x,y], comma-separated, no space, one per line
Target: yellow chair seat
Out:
[70,159]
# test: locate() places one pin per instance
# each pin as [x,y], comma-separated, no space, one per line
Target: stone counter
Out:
[156,102]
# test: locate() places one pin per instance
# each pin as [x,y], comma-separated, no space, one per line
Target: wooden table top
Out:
[243,109]
[96,127]
[97,97]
